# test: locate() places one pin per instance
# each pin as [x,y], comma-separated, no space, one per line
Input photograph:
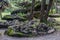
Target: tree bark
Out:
[32,9]
[42,13]
[48,8]
[0,15]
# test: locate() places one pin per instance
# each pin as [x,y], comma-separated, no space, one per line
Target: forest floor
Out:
[54,36]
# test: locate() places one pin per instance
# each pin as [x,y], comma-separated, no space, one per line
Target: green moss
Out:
[11,32]
[7,16]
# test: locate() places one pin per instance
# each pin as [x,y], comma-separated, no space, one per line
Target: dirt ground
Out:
[54,36]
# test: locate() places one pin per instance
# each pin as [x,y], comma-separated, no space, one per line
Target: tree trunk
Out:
[42,13]
[0,15]
[32,9]
[48,8]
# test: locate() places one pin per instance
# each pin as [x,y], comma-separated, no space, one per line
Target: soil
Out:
[54,36]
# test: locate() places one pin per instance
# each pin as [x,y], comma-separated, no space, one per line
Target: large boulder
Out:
[46,29]
[30,28]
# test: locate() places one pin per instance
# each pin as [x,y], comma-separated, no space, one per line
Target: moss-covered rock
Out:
[30,28]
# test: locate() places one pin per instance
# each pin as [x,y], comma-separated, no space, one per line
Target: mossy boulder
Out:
[30,28]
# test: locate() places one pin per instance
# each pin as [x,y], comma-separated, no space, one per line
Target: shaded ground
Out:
[54,36]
